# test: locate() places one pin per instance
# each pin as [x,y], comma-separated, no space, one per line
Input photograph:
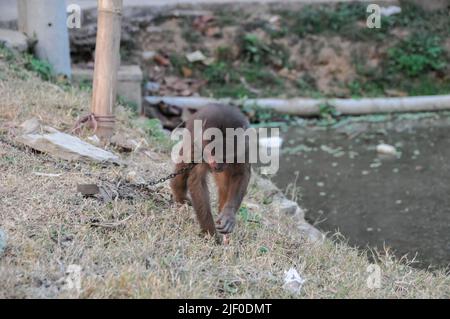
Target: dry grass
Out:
[151,248]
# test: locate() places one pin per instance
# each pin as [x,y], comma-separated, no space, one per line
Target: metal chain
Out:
[170,176]
[149,184]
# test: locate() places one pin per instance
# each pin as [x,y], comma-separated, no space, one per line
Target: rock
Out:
[281,203]
[120,142]
[88,189]
[287,206]
[148,55]
[135,178]
[386,149]
[310,232]
[152,87]
[30,126]
[67,147]
[2,241]
[14,40]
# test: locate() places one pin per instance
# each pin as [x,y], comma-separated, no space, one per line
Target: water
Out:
[402,202]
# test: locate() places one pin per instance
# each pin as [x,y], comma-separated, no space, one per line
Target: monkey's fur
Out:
[231,178]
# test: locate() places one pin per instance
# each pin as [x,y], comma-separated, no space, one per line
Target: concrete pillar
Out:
[46,21]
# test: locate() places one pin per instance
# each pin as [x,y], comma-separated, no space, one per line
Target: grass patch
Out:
[153,249]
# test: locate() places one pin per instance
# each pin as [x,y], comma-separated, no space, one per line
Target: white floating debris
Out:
[271,142]
[389,11]
[293,282]
[386,149]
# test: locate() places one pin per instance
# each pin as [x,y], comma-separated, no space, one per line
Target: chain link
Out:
[149,184]
[170,176]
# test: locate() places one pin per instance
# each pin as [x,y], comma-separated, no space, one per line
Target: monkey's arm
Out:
[199,192]
[237,188]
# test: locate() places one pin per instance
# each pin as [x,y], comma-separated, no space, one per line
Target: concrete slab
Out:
[14,40]
[129,82]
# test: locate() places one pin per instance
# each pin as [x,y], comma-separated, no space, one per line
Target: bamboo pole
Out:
[107,61]
[311,107]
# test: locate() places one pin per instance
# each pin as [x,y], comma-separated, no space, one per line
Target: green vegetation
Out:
[157,134]
[417,54]
[286,53]
[256,51]
[132,106]
[324,19]
[42,68]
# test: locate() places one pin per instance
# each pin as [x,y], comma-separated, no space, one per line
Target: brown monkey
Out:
[231,178]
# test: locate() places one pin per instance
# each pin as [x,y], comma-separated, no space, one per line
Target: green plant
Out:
[416,55]
[129,104]
[43,68]
[178,61]
[225,54]
[156,133]
[259,76]
[319,19]
[255,50]
[328,114]
[220,72]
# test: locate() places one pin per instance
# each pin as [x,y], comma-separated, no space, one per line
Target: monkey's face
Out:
[214,157]
[215,166]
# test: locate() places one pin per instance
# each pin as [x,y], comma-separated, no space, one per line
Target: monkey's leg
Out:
[238,177]
[179,185]
[198,188]
[222,188]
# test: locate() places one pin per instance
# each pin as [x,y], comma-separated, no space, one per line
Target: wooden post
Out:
[46,21]
[107,60]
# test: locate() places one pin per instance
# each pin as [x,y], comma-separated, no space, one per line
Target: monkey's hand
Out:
[225,223]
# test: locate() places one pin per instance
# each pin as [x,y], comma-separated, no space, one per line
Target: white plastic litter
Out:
[389,11]
[293,282]
[386,149]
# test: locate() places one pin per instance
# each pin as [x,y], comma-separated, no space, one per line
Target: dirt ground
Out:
[144,246]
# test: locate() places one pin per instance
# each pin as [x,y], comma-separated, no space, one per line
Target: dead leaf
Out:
[186,93]
[161,60]
[212,32]
[187,73]
[392,92]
